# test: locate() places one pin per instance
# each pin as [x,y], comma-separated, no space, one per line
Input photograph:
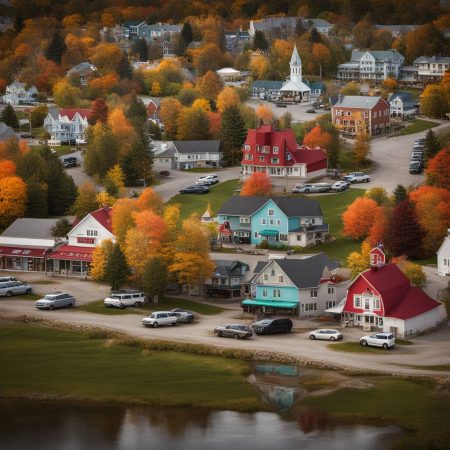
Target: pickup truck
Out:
[357,177]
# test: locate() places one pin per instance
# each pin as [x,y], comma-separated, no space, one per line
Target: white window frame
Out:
[264,292]
[357,301]
[313,293]
[271,212]
[280,278]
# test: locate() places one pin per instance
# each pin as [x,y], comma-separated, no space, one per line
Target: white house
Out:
[18,94]
[431,68]
[191,154]
[67,124]
[163,156]
[402,105]
[443,257]
[157,30]
[75,257]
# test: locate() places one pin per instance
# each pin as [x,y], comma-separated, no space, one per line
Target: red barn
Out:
[278,154]
[382,298]
[353,111]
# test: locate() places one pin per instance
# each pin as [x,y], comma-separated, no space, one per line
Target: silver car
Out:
[234,330]
[56,300]
[311,187]
[14,288]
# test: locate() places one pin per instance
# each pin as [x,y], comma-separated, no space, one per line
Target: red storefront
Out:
[27,259]
[71,260]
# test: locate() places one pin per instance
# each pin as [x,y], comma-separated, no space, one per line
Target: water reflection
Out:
[52,426]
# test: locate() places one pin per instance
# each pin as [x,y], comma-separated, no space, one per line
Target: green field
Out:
[83,369]
[167,304]
[194,203]
[418,125]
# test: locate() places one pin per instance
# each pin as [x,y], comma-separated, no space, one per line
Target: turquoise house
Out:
[280,221]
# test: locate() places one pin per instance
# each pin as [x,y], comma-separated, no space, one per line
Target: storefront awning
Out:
[29,252]
[73,252]
[268,233]
[271,303]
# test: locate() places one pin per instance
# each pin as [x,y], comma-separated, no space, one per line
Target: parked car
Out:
[311,187]
[416,156]
[124,298]
[271,326]
[419,140]
[195,190]
[164,173]
[415,167]
[188,314]
[357,177]
[14,288]
[340,186]
[236,331]
[70,161]
[158,318]
[207,180]
[56,300]
[383,340]
[182,317]
[7,279]
[325,334]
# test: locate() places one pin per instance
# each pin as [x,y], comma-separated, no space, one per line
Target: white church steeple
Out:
[296,67]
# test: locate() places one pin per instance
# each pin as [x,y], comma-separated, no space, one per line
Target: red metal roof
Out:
[32,252]
[103,216]
[70,112]
[73,252]
[304,155]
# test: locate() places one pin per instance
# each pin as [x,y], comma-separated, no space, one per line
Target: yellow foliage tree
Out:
[359,262]
[201,103]
[114,181]
[227,97]
[137,249]
[13,199]
[122,129]
[156,89]
[259,67]
[149,199]
[104,199]
[122,218]
[100,258]
[264,113]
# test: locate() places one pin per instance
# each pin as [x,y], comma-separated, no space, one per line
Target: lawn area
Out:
[418,125]
[412,405]
[27,297]
[194,203]
[169,303]
[80,368]
[354,347]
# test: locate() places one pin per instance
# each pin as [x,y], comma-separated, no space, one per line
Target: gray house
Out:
[6,132]
[227,280]
[192,154]
[402,105]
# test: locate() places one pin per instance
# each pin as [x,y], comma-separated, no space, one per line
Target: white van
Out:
[124,298]
[276,256]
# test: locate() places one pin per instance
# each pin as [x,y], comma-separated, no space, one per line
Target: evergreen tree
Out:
[187,33]
[315,37]
[260,42]
[136,113]
[37,198]
[299,28]
[86,201]
[56,48]
[18,23]
[61,228]
[140,48]
[8,116]
[116,270]
[154,130]
[233,135]
[431,145]
[404,235]
[155,278]
[400,193]
[124,70]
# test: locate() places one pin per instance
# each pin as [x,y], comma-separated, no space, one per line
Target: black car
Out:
[271,326]
[71,161]
[415,167]
[195,190]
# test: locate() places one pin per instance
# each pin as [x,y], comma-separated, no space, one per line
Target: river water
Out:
[39,425]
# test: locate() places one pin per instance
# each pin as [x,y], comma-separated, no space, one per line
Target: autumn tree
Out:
[227,97]
[258,183]
[317,138]
[415,273]
[359,262]
[378,194]
[169,113]
[13,199]
[264,114]
[404,235]
[7,168]
[400,193]
[150,200]
[203,104]
[99,112]
[260,67]
[122,218]
[114,181]
[433,101]
[123,131]
[100,258]
[153,227]
[208,57]
[210,85]
[321,53]
[351,88]
[38,115]
[233,135]
[8,116]
[106,57]
[359,217]
[361,148]
[390,84]
[66,95]
[431,145]
[438,169]
[193,125]
[116,268]
[86,201]
[155,278]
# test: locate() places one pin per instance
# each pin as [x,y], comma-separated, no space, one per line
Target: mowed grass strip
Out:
[354,347]
[417,126]
[39,362]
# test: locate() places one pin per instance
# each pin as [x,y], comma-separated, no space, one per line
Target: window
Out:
[272,272]
[299,237]
[249,157]
[283,237]
[91,232]
[276,293]
[261,158]
[264,293]
[246,147]
[376,303]
[275,160]
[271,212]
[271,222]
[278,221]
[330,304]
[357,302]
[366,303]
[244,219]
[255,235]
[310,306]
[263,221]
[280,278]
[276,150]
[266,277]
[331,289]
[313,293]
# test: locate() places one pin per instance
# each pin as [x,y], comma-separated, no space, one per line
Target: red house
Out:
[351,112]
[382,298]
[278,154]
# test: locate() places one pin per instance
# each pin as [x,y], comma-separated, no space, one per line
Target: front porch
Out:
[271,307]
[369,321]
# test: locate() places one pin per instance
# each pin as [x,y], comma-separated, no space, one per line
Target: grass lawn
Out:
[169,303]
[45,282]
[412,405]
[418,125]
[194,203]
[354,347]
[28,297]
[69,365]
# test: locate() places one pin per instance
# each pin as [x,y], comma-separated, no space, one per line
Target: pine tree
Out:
[155,278]
[233,135]
[61,228]
[8,116]
[260,42]
[136,113]
[37,198]
[431,145]
[56,48]
[140,48]
[124,70]
[400,193]
[315,37]
[18,23]
[187,34]
[299,28]
[116,270]
[404,235]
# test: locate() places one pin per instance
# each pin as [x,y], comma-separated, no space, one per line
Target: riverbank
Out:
[100,366]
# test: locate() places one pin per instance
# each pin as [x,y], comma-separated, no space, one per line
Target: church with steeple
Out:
[294,85]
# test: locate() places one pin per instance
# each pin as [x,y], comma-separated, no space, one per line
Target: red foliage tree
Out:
[359,218]
[438,170]
[99,112]
[257,184]
[7,168]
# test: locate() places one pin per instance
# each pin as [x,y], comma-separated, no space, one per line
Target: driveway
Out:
[298,111]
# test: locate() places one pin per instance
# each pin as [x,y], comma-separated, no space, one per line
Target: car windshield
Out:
[265,322]
[115,296]
[49,297]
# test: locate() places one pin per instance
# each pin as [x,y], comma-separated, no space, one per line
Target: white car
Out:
[383,340]
[56,300]
[357,177]
[157,318]
[325,334]
[340,186]
[124,298]
[208,180]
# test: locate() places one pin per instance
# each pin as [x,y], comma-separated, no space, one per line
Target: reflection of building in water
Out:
[310,420]
[280,396]
[266,369]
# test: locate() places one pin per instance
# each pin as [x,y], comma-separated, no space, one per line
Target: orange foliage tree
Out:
[258,183]
[438,170]
[122,218]
[151,200]
[359,218]
[170,111]
[123,130]
[318,138]
[13,199]
[215,124]
[152,225]
[210,85]
[227,97]
[264,113]
[7,168]
[433,210]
